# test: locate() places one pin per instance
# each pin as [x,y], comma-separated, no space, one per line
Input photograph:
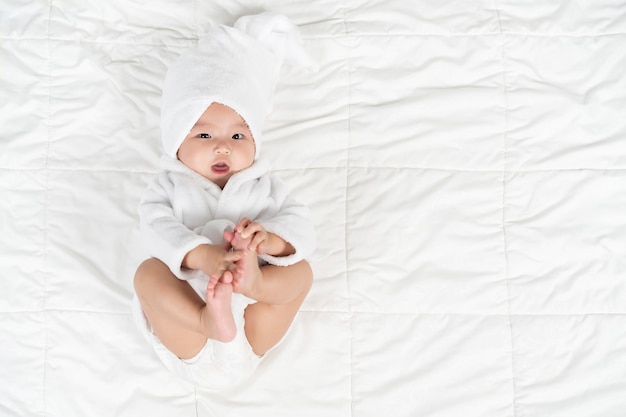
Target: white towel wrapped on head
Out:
[235,66]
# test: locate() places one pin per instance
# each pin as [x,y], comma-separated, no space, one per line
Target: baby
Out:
[229,243]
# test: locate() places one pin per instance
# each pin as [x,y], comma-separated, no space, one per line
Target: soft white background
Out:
[465,163]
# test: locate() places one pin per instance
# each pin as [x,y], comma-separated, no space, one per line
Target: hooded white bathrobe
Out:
[181,210]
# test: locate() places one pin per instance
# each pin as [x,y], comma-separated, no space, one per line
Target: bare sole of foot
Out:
[247,280]
[217,317]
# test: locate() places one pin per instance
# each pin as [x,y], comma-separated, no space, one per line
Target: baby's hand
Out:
[213,260]
[249,235]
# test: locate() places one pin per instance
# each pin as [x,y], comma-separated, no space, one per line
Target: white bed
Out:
[465,163]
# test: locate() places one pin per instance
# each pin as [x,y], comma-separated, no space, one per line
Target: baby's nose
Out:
[222,147]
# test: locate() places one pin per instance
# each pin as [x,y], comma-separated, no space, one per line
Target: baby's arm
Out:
[284,231]
[294,226]
[252,235]
[163,233]
[213,260]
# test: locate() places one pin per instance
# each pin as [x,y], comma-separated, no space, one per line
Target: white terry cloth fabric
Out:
[181,210]
[238,67]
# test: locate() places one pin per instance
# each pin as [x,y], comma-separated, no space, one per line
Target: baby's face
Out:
[219,145]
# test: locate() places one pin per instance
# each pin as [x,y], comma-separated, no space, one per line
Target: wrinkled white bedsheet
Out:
[465,163]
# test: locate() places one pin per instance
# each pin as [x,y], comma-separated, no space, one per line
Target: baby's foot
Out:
[217,315]
[236,241]
[248,277]
[227,278]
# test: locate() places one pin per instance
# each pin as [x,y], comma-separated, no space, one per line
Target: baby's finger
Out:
[256,241]
[252,228]
[243,223]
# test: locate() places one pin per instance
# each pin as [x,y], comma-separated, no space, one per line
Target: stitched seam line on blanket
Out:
[452,314]
[73,310]
[465,35]
[190,41]
[195,19]
[45,218]
[346,200]
[503,40]
[473,315]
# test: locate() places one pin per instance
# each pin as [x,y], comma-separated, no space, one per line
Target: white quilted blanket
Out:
[465,163]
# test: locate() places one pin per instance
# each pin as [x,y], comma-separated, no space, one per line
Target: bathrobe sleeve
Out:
[290,220]
[163,234]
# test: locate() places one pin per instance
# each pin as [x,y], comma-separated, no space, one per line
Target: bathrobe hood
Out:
[236,66]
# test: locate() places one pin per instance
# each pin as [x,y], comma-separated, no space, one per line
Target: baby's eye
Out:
[204,136]
[237,136]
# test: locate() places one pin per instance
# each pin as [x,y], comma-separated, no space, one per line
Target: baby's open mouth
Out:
[220,168]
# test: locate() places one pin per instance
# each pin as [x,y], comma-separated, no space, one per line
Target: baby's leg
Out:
[266,324]
[271,284]
[279,291]
[178,316]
